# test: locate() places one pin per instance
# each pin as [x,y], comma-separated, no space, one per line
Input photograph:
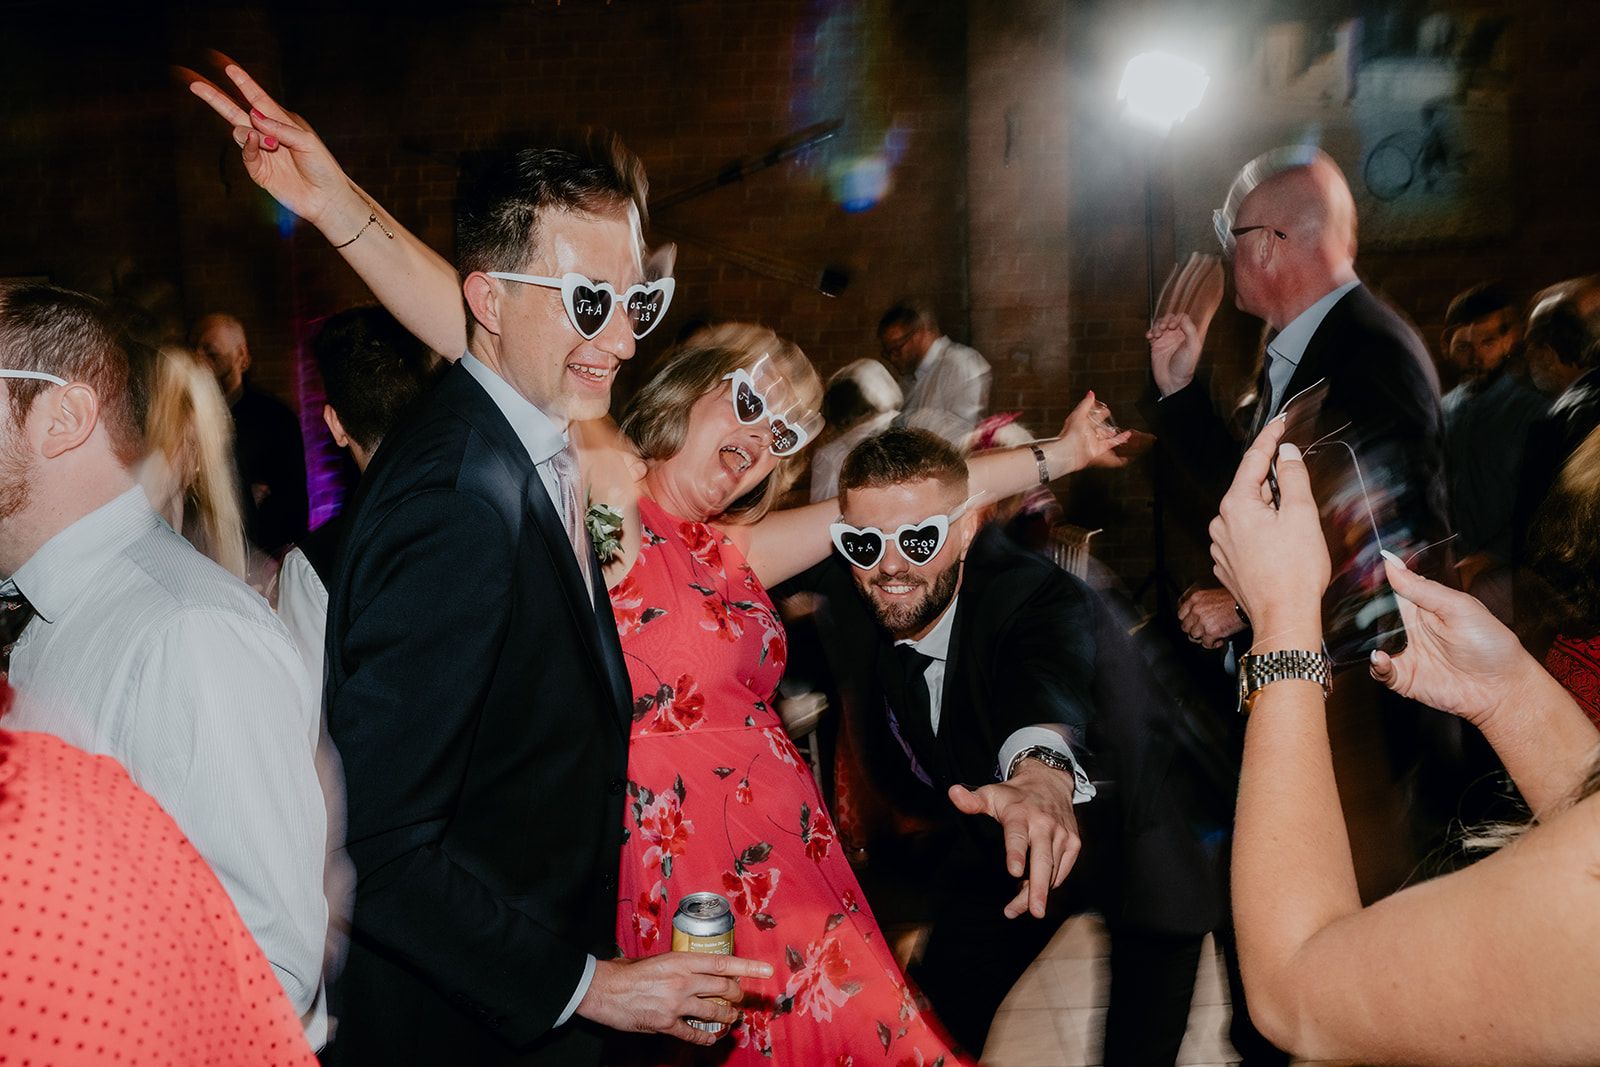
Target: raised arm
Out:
[1460,659]
[284,156]
[1487,966]
[787,542]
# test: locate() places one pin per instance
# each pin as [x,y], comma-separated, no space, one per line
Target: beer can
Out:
[704,923]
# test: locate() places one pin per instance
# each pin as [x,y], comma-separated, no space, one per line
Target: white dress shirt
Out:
[935,644]
[303,607]
[543,439]
[948,393]
[828,460]
[146,651]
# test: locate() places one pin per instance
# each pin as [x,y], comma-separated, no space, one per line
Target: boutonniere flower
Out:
[605,530]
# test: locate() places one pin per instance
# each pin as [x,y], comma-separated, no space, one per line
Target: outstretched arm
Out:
[787,542]
[284,156]
[1327,978]
[1459,658]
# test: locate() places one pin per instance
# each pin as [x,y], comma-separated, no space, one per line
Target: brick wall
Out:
[1015,199]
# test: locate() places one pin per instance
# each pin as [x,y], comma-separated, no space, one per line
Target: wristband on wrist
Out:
[1044,468]
[1256,672]
[372,216]
[1047,756]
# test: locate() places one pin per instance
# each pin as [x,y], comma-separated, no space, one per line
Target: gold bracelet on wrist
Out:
[372,216]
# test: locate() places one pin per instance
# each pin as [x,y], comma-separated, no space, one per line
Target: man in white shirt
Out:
[946,384]
[142,649]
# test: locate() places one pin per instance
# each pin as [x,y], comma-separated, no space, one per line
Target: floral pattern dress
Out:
[721,800]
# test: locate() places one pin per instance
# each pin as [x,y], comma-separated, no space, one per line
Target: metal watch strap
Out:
[1044,468]
[1047,756]
[1256,672]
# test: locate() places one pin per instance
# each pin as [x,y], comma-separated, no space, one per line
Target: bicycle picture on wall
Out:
[1425,159]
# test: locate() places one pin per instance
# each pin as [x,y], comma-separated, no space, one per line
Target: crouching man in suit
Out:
[976,672]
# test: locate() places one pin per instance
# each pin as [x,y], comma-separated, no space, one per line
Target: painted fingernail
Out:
[1288,450]
[269,143]
[256,114]
[1392,558]
[1281,416]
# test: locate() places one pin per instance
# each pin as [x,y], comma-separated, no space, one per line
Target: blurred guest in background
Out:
[1486,420]
[268,449]
[1557,342]
[1398,981]
[1566,556]
[946,385]
[189,473]
[1564,351]
[862,399]
[141,648]
[372,369]
[148,962]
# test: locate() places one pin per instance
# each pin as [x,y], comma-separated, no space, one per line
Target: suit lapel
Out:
[1319,353]
[590,619]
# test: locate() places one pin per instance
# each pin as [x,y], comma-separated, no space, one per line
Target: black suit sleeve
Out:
[430,605]
[1042,661]
[1196,454]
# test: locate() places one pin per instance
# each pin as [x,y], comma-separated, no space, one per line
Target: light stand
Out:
[1158,91]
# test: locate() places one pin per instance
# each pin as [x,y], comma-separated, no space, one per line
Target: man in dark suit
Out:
[268,451]
[1289,232]
[988,663]
[475,687]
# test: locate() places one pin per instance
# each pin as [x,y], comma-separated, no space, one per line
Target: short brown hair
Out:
[657,418]
[73,336]
[897,456]
[497,212]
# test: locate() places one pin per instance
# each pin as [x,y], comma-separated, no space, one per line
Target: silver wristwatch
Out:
[1045,755]
[1258,672]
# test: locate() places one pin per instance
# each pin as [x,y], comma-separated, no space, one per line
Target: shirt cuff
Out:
[1054,737]
[583,987]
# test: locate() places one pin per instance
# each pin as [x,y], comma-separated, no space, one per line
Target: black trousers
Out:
[975,954]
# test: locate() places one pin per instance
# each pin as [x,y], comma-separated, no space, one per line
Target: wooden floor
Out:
[1055,1015]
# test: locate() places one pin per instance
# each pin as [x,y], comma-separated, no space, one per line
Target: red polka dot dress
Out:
[117,943]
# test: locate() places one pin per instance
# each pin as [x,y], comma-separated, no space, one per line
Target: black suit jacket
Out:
[1380,382]
[479,704]
[1021,653]
[1033,645]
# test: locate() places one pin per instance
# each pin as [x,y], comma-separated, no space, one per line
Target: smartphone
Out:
[1360,517]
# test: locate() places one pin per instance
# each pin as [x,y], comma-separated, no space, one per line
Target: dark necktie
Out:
[1263,396]
[915,715]
[15,614]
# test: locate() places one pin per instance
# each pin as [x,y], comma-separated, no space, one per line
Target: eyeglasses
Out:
[590,304]
[1228,235]
[791,430]
[33,376]
[917,542]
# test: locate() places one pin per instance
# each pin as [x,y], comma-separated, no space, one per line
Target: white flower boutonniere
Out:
[605,530]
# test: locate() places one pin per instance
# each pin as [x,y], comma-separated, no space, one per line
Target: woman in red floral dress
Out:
[719,798]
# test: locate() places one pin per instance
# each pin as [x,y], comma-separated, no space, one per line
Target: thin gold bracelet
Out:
[372,216]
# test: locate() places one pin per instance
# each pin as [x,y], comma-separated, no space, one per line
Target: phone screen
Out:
[1360,517]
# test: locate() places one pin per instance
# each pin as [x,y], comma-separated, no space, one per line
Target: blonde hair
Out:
[657,418]
[190,429]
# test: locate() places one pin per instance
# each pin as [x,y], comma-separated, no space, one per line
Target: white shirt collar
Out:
[538,432]
[930,357]
[1290,344]
[935,644]
[64,566]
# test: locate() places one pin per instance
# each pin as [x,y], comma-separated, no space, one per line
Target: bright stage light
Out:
[1159,89]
